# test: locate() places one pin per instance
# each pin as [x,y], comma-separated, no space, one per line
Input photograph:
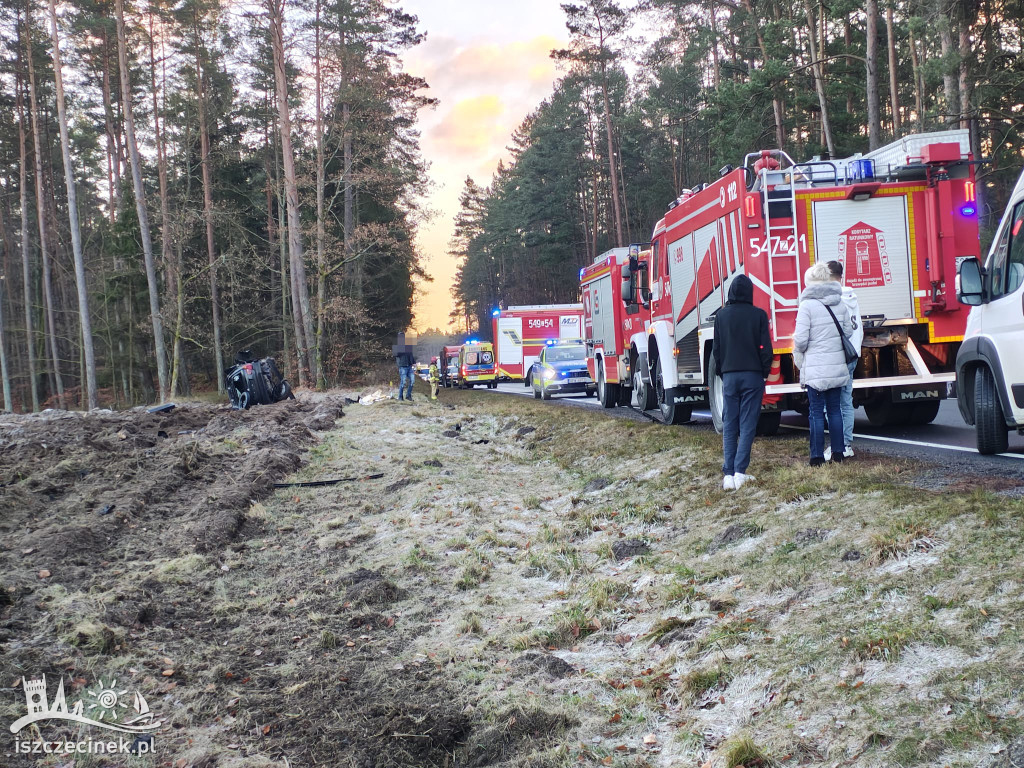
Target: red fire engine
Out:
[611,319]
[521,332]
[900,219]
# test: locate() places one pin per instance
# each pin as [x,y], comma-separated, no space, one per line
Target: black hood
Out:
[741,291]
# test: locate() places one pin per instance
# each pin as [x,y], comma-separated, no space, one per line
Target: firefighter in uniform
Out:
[435,378]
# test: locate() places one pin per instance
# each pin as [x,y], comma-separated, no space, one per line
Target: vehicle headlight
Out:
[547,373]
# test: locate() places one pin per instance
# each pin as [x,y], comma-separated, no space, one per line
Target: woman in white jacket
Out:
[857,339]
[819,352]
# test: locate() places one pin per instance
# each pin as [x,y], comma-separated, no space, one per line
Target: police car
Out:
[561,369]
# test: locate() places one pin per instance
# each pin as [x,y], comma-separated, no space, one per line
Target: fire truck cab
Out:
[900,219]
[616,316]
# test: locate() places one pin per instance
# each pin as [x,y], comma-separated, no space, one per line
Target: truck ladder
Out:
[784,232]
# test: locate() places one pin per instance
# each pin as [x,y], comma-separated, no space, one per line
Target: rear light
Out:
[749,206]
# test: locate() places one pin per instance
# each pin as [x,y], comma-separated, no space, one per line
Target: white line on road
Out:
[922,443]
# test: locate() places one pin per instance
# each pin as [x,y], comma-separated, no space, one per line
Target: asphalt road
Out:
[947,442]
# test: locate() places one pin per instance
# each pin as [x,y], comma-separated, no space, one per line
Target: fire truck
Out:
[448,365]
[520,333]
[611,321]
[900,219]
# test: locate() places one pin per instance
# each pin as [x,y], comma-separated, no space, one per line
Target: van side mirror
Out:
[970,284]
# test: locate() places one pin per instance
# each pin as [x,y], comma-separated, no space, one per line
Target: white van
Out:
[990,363]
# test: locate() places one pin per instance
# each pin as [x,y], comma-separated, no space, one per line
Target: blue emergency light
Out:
[551,342]
[968,210]
[495,313]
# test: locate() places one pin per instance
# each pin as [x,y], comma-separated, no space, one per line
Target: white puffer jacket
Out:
[816,344]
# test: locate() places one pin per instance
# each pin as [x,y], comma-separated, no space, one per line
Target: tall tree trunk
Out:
[300,290]
[5,375]
[894,91]
[966,85]
[204,148]
[918,83]
[616,206]
[26,271]
[780,130]
[88,352]
[113,138]
[819,78]
[873,100]
[949,80]
[321,256]
[44,246]
[140,206]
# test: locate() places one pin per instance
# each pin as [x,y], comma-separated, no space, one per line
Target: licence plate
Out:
[579,379]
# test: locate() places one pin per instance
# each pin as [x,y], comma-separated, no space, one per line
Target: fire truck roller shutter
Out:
[870,238]
[510,341]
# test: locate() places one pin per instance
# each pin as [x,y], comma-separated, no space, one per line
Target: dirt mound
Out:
[544,664]
[76,483]
[368,587]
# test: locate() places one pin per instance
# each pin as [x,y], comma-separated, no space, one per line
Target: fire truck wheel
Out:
[671,413]
[716,396]
[645,399]
[990,425]
[886,413]
[924,413]
[768,423]
[607,393]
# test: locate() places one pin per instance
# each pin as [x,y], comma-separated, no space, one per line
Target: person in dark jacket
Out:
[743,358]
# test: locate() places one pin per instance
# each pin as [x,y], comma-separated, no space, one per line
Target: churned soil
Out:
[494,581]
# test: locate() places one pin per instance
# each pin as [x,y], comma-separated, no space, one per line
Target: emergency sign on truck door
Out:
[870,238]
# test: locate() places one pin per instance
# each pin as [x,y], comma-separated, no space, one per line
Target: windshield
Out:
[565,354]
[479,358]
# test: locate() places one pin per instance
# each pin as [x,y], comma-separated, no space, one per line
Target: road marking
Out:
[922,443]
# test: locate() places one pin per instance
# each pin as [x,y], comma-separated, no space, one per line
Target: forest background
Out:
[181,179]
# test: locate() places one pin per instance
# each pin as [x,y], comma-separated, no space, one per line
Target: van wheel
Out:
[716,396]
[607,393]
[990,425]
[671,413]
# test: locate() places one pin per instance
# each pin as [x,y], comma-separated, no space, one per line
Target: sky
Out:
[488,63]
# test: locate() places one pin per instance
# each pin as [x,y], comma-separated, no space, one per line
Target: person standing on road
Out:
[435,378]
[405,360]
[820,353]
[743,358]
[857,339]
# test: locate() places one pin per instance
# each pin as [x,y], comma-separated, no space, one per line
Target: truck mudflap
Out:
[696,397]
[919,393]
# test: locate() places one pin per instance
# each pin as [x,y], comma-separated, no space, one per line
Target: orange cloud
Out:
[470,127]
[485,92]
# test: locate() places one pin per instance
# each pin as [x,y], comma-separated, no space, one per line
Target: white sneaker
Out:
[848,453]
[739,479]
[828,453]
[728,483]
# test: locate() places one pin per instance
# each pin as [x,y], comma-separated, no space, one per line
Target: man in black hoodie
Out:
[743,358]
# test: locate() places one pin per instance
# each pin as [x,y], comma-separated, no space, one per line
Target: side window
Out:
[655,261]
[1015,263]
[1006,268]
